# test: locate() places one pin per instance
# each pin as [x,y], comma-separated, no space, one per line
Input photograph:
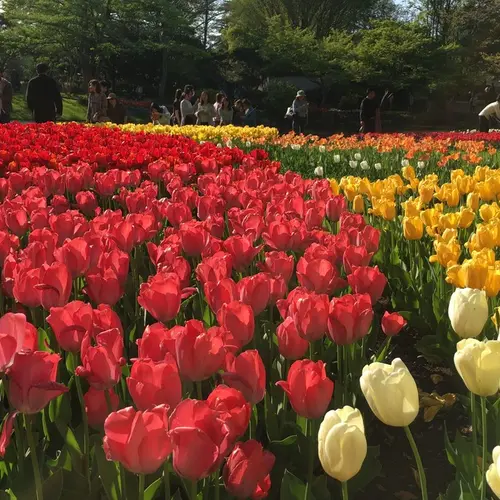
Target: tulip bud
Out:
[493,473]
[391,392]
[478,363]
[468,312]
[342,443]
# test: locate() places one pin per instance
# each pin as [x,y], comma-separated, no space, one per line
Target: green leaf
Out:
[108,472]
[53,486]
[285,442]
[292,488]
[150,492]
[320,488]
[72,444]
[60,409]
[75,486]
[177,495]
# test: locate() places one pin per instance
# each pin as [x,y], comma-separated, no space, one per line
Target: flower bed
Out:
[182,320]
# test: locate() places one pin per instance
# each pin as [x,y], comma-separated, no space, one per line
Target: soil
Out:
[400,480]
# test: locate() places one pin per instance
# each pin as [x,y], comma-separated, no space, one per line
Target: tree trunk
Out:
[163,79]
[205,27]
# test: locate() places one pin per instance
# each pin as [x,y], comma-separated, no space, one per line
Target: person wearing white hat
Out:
[300,110]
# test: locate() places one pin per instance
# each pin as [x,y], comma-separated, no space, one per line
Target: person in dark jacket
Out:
[369,113]
[116,110]
[43,97]
[5,98]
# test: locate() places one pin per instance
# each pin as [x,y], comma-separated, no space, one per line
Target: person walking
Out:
[205,112]
[176,117]
[117,112]
[43,97]
[488,114]
[97,104]
[187,109]
[5,98]
[369,113]
[300,112]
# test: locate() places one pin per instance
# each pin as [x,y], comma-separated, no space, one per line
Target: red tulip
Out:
[200,439]
[255,291]
[32,381]
[104,287]
[314,215]
[348,219]
[96,406]
[246,373]
[157,341]
[238,319]
[279,264]
[310,315]
[151,384]
[24,290]
[194,238]
[7,430]
[232,408]
[106,319]
[101,364]
[161,296]
[356,257]
[370,238]
[350,318]
[308,388]
[215,268]
[242,250]
[138,439]
[86,203]
[8,244]
[335,206]
[392,323]
[290,344]
[319,275]
[31,338]
[199,353]
[278,236]
[55,285]
[277,289]
[71,323]
[178,213]
[17,221]
[13,332]
[223,292]
[76,255]
[247,470]
[368,280]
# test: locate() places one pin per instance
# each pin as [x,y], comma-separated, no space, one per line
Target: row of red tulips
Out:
[193,294]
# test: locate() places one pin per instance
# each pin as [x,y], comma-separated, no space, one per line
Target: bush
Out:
[279,97]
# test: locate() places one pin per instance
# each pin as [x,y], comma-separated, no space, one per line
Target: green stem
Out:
[166,480]
[28,420]
[418,460]
[217,485]
[123,480]
[199,392]
[345,491]
[108,401]
[86,448]
[141,486]
[473,412]
[485,446]
[194,490]
[340,374]
[310,464]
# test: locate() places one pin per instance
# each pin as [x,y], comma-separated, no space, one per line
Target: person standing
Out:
[225,112]
[105,87]
[43,97]
[97,105]
[489,113]
[369,113]
[5,98]
[117,112]
[205,112]
[300,110]
[187,109]
[249,117]
[176,117]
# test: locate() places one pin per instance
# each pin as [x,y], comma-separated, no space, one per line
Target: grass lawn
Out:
[73,110]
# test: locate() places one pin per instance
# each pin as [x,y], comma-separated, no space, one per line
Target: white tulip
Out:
[421,165]
[468,312]
[229,143]
[478,363]
[378,166]
[219,145]
[353,164]
[336,158]
[322,149]
[391,392]
[364,165]
[248,144]
[318,171]
[357,156]
[342,443]
[295,147]
[405,163]
[493,473]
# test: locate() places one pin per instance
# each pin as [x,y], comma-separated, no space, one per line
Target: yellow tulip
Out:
[467,217]
[408,173]
[457,173]
[426,191]
[465,185]
[449,220]
[485,255]
[473,201]
[448,235]
[447,254]
[470,274]
[334,186]
[480,173]
[411,208]
[486,191]
[430,217]
[488,212]
[358,204]
[492,285]
[413,228]
[350,192]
